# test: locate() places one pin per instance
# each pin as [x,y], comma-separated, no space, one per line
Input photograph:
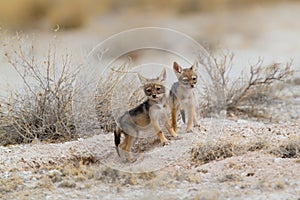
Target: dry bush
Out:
[41,110]
[104,107]
[107,104]
[222,92]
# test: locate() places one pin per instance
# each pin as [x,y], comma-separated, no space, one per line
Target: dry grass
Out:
[67,175]
[232,146]
[287,149]
[71,174]
[244,93]
[42,109]
[10,184]
[207,152]
[104,95]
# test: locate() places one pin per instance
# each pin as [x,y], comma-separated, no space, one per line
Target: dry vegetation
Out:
[73,174]
[244,93]
[42,109]
[104,95]
[107,104]
[235,146]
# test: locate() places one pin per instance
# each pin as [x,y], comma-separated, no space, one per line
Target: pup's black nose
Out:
[154,95]
[192,86]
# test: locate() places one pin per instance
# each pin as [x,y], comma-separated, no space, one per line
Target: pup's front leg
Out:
[158,131]
[190,119]
[127,148]
[169,126]
[195,120]
[174,119]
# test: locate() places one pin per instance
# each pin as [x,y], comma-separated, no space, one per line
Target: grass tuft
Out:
[229,147]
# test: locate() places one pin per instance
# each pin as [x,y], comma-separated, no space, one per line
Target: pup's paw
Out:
[166,142]
[189,130]
[173,133]
[197,125]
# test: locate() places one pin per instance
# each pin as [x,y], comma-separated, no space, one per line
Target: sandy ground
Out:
[90,169]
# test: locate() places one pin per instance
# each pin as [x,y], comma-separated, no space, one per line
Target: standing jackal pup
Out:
[145,114]
[182,95]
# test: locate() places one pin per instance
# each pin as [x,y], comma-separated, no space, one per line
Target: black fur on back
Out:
[144,107]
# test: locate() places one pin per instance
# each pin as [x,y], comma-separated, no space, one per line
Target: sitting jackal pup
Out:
[145,114]
[182,95]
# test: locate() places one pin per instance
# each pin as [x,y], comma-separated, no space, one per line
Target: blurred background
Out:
[72,14]
[249,28]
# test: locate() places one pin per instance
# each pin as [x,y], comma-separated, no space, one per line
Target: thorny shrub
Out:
[42,110]
[222,92]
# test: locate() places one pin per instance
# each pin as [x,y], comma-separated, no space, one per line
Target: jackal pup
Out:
[182,95]
[144,115]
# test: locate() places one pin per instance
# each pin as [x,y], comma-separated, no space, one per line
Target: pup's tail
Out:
[117,133]
[182,113]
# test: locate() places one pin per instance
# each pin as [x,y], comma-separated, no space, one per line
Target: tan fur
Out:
[174,117]
[144,115]
[182,95]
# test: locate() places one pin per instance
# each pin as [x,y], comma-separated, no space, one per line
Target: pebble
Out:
[242,121]
[277,160]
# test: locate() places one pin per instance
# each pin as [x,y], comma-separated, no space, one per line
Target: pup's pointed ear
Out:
[194,67]
[143,80]
[163,75]
[176,67]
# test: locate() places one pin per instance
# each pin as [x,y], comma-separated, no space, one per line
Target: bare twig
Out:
[43,109]
[224,93]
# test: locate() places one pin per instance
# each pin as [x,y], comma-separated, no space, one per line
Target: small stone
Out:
[242,121]
[277,160]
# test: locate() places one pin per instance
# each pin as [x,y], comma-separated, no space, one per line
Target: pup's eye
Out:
[194,78]
[158,88]
[148,90]
[185,79]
